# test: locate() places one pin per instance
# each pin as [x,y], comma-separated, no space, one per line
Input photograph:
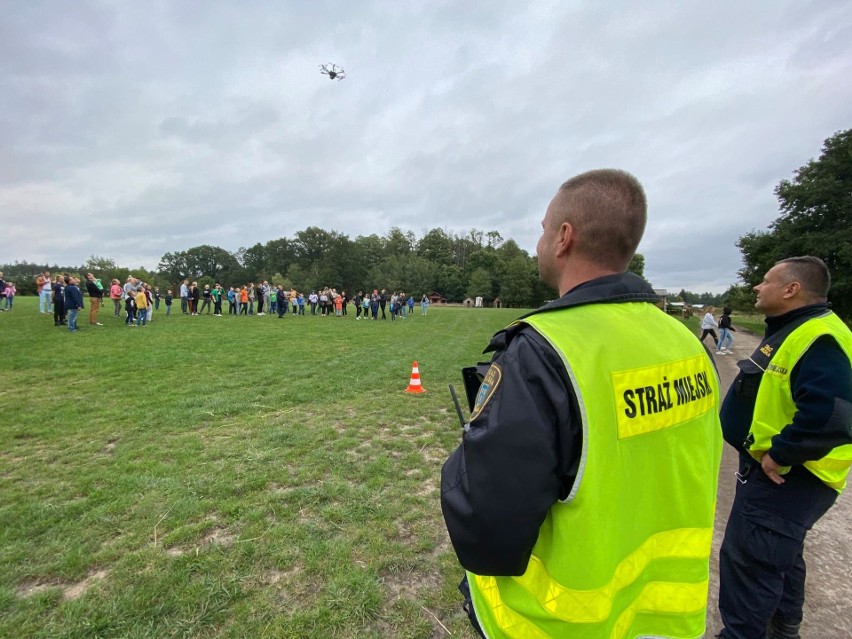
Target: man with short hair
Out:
[96,296]
[789,414]
[581,500]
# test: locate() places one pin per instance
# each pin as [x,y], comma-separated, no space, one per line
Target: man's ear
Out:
[793,289]
[564,239]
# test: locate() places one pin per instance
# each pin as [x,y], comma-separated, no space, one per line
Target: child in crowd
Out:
[301,299]
[141,308]
[10,291]
[338,306]
[169,300]
[130,309]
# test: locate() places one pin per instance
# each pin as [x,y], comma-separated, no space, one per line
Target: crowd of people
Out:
[136,300]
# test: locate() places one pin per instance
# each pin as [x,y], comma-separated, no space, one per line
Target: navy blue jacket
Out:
[73,297]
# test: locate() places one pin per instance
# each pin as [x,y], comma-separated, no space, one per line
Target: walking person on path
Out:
[709,325]
[725,329]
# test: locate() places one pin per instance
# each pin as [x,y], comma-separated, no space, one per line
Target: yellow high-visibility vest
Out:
[774,406]
[626,554]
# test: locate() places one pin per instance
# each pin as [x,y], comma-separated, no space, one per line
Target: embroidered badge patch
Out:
[486,389]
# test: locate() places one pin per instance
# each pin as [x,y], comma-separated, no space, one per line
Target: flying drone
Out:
[333,71]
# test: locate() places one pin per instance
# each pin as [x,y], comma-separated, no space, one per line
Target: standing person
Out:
[184,297]
[45,291]
[709,325]
[9,293]
[374,304]
[273,299]
[232,301]
[282,302]
[294,302]
[262,297]
[168,301]
[156,298]
[2,292]
[585,486]
[73,303]
[244,300]
[300,298]
[216,294]
[383,300]
[115,295]
[424,304]
[313,298]
[357,302]
[251,297]
[194,297]
[131,286]
[96,296]
[58,296]
[149,296]
[411,305]
[141,300]
[206,298]
[130,309]
[725,328]
[789,415]
[338,305]
[323,300]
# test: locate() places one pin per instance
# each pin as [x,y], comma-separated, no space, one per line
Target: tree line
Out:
[815,219]
[456,266]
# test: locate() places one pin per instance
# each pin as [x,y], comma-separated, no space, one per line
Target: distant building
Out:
[663,294]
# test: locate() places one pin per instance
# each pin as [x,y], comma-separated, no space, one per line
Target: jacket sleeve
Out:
[822,390]
[517,459]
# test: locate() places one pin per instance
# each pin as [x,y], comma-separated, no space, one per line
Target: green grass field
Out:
[229,477]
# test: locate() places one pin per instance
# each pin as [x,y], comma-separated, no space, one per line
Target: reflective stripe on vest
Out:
[774,407]
[627,554]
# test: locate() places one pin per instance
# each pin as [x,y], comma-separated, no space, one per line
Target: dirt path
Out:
[828,549]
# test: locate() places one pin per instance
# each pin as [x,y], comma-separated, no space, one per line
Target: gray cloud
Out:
[182,124]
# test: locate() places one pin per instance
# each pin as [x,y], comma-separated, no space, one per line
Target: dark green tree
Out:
[816,219]
[437,247]
[479,284]
[637,265]
[517,284]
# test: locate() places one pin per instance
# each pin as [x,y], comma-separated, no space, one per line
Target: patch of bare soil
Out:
[70,591]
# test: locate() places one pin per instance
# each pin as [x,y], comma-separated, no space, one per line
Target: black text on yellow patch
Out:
[486,389]
[657,397]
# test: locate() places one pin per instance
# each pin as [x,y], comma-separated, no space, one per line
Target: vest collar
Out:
[616,288]
[620,287]
[776,323]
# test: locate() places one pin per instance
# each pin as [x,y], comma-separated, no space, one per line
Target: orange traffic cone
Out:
[414,385]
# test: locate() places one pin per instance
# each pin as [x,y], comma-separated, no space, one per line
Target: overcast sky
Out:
[130,129]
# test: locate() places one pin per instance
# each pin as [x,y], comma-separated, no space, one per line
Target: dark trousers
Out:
[58,312]
[711,333]
[761,567]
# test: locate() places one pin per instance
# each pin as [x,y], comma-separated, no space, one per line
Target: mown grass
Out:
[229,477]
